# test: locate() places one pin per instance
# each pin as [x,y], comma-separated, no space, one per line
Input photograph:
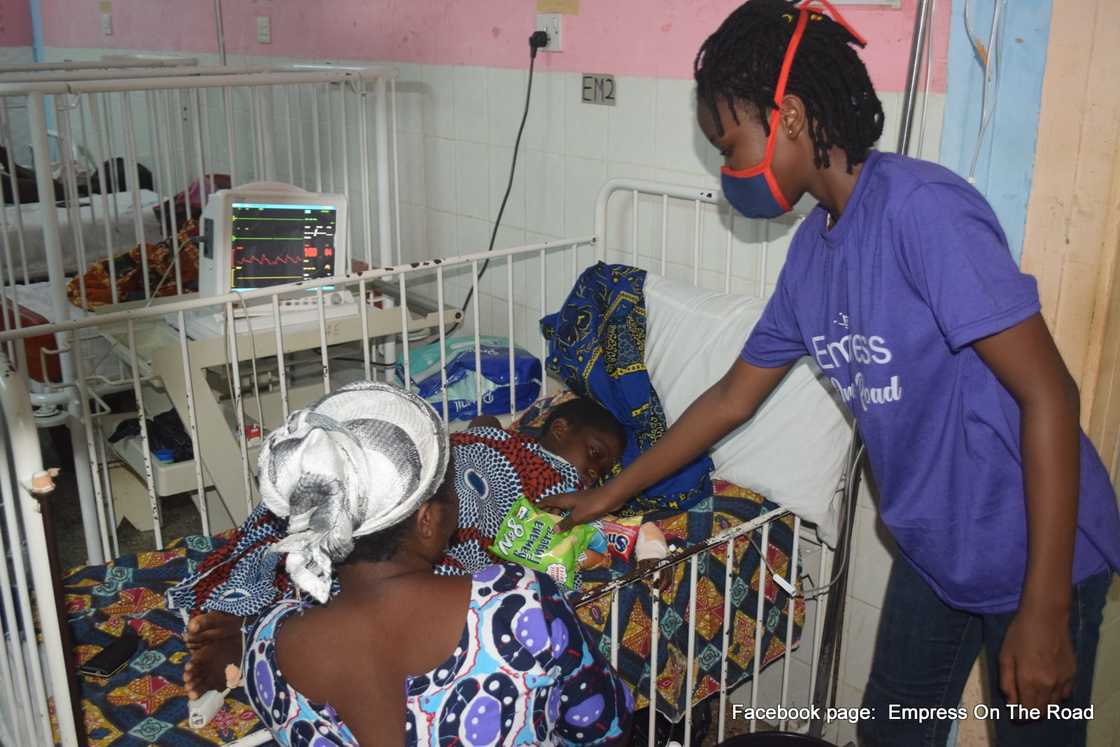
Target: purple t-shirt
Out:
[888,303]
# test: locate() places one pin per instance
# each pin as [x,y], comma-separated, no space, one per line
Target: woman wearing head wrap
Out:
[494,658]
[578,441]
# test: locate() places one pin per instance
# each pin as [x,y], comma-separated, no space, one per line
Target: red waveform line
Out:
[265,260]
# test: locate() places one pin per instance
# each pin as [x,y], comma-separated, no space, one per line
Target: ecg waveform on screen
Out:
[274,244]
[261,259]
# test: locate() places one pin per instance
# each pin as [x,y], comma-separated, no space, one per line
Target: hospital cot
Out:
[682,232]
[191,128]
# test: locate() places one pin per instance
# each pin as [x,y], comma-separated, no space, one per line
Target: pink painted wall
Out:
[15,23]
[653,38]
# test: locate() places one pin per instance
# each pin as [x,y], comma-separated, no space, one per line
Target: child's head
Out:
[586,436]
[828,105]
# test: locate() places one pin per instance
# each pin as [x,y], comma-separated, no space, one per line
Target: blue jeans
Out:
[926,649]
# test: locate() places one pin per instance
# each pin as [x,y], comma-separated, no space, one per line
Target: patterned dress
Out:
[242,576]
[523,673]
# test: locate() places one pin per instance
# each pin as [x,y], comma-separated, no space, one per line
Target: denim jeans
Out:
[926,649]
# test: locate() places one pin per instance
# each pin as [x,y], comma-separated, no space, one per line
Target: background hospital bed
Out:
[187,125]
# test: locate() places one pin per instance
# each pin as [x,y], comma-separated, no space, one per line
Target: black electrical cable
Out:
[536,41]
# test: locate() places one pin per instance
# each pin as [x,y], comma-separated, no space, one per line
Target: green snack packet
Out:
[528,537]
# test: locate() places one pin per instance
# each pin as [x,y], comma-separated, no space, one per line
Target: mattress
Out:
[92,225]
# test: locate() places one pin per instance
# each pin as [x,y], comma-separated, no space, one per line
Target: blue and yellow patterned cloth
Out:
[596,346]
[145,703]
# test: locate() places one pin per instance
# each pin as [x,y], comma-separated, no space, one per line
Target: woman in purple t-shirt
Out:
[901,287]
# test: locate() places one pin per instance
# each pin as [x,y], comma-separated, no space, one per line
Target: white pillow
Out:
[794,449]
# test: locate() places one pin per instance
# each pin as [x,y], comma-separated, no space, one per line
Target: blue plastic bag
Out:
[462,377]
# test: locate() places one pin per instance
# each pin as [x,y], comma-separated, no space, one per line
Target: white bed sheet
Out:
[92,221]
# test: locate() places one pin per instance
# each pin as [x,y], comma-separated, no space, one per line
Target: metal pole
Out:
[828,669]
[221,31]
[922,22]
[60,305]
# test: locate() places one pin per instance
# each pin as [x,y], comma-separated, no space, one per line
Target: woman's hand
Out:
[724,406]
[585,506]
[1037,664]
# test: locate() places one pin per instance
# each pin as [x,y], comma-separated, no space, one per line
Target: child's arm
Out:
[727,404]
[1037,662]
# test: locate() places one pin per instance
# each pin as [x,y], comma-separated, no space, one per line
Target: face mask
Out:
[754,192]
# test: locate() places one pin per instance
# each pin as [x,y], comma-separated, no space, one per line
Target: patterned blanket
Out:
[727,506]
[145,702]
[596,346]
[730,506]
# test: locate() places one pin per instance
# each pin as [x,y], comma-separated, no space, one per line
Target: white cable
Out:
[253,350]
[991,65]
[845,547]
[968,26]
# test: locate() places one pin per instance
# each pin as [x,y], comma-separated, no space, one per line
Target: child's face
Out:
[742,142]
[593,452]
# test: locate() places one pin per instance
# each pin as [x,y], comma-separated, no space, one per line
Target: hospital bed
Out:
[195,129]
[21,222]
[704,633]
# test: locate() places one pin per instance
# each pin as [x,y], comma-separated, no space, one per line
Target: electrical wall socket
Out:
[264,30]
[552,24]
[107,24]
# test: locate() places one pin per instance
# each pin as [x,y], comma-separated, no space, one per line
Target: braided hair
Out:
[742,60]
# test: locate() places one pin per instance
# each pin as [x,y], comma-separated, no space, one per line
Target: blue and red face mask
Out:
[755,192]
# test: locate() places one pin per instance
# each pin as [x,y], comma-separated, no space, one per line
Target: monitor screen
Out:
[275,243]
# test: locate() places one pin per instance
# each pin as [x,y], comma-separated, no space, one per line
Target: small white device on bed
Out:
[267,234]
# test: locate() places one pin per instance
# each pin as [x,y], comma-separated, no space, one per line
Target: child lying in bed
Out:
[580,442]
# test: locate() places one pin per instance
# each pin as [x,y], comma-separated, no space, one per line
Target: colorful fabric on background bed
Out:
[127,272]
[596,346]
[145,702]
[730,506]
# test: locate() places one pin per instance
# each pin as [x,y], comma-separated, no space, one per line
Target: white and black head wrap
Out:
[359,460]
